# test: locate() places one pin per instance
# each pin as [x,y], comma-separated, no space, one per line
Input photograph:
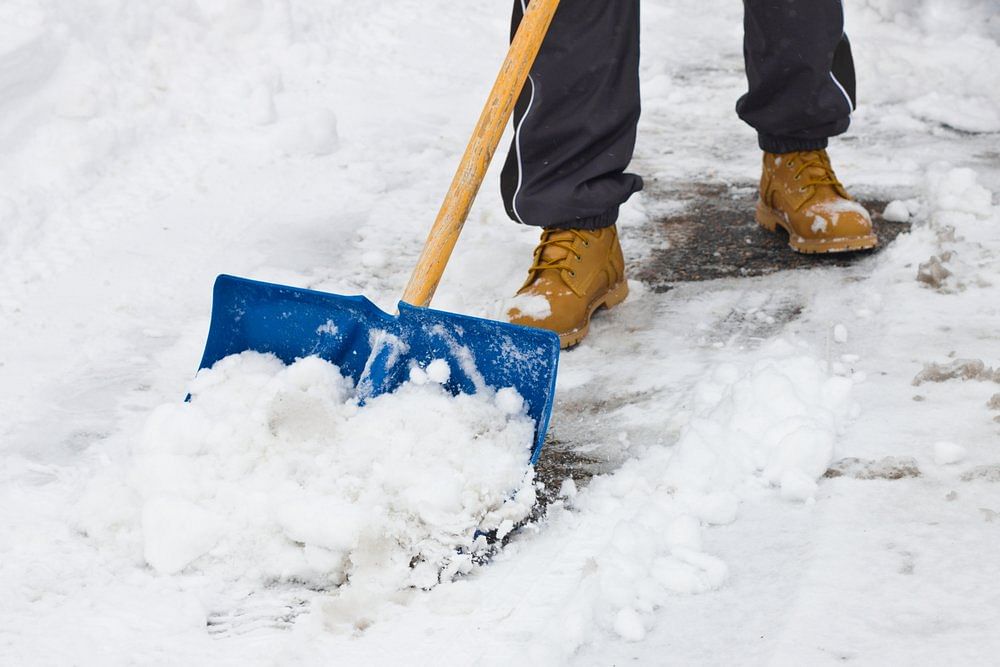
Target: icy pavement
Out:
[793,468]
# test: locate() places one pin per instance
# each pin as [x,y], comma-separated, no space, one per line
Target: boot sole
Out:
[770,220]
[610,299]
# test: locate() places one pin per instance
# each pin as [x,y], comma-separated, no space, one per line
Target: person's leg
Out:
[800,73]
[575,128]
[575,122]
[801,93]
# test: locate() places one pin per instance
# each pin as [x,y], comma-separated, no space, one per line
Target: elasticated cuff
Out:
[596,222]
[775,144]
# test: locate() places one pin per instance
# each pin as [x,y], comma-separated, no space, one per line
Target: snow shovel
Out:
[377,349]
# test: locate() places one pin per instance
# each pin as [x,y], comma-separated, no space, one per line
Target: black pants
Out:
[575,122]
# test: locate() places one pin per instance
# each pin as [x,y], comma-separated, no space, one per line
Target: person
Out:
[575,131]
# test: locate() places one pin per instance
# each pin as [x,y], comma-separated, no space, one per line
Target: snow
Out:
[273,474]
[972,114]
[628,625]
[438,371]
[946,453]
[534,306]
[567,489]
[820,223]
[509,401]
[760,496]
[833,209]
[896,211]
[175,532]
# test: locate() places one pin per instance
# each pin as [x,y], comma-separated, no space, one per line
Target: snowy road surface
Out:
[796,468]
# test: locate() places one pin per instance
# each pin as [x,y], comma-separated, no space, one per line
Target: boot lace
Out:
[563,242]
[814,170]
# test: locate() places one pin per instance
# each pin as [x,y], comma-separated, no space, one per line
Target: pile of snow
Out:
[274,473]
[775,424]
[758,429]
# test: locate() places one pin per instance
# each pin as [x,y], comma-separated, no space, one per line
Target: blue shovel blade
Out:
[377,349]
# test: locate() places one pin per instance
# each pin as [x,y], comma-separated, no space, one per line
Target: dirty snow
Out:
[762,492]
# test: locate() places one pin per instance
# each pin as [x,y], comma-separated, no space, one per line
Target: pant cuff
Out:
[595,222]
[775,144]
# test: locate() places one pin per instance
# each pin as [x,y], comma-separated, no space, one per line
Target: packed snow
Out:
[797,468]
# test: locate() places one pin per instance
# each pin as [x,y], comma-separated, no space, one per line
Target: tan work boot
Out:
[575,272]
[800,192]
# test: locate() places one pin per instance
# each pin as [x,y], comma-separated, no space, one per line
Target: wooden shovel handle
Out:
[471,171]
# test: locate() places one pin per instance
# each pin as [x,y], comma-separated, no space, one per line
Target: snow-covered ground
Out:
[801,468]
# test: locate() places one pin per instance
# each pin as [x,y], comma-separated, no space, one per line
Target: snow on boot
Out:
[800,192]
[575,272]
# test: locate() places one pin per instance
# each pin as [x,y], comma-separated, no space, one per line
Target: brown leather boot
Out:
[800,192]
[575,272]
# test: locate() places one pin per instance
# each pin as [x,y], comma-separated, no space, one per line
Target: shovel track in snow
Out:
[258,612]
